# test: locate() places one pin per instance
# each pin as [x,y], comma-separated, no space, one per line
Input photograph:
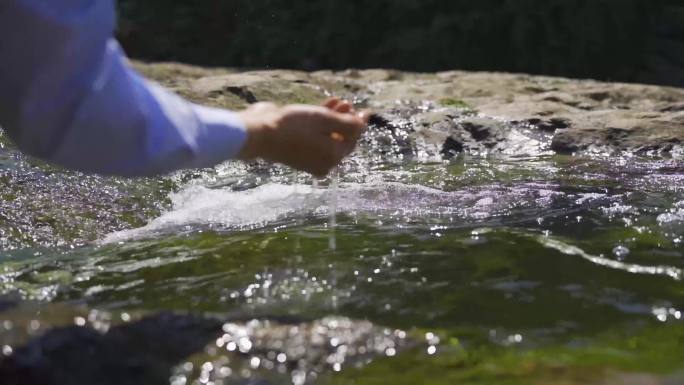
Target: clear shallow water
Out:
[443,267]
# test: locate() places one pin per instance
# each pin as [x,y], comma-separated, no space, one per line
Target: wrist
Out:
[258,133]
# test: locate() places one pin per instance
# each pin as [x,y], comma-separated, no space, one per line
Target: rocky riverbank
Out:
[462,111]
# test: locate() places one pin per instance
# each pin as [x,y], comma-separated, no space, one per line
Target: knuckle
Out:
[263,106]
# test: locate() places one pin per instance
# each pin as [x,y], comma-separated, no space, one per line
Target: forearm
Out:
[133,127]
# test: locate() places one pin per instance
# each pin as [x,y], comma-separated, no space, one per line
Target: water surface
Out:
[483,268]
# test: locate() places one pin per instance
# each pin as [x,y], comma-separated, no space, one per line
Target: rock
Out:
[238,90]
[149,350]
[579,113]
[142,352]
[565,143]
[550,125]
[484,130]
[457,131]
[451,147]
[389,135]
[624,131]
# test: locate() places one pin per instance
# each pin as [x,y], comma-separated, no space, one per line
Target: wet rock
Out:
[456,131]
[137,353]
[623,131]
[485,130]
[565,143]
[389,134]
[473,133]
[101,348]
[243,93]
[45,206]
[580,113]
[328,344]
[452,147]
[550,125]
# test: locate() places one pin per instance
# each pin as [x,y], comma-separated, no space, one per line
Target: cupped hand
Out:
[310,138]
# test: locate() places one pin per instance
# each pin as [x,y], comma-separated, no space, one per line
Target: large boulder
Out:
[460,111]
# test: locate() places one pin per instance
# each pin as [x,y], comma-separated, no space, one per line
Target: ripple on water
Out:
[674,216]
[200,207]
[530,249]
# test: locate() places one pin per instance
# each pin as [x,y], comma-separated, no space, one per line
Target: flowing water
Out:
[520,267]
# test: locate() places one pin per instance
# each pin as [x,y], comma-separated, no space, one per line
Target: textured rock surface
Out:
[463,110]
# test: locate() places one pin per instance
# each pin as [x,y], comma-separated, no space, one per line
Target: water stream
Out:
[463,269]
[332,222]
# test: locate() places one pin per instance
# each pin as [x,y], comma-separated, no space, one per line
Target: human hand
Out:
[310,138]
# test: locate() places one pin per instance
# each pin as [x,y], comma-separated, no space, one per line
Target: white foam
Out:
[675,216]
[198,205]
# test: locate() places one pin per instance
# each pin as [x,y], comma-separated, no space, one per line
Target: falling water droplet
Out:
[621,252]
[332,241]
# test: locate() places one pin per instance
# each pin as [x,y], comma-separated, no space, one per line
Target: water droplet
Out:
[255,362]
[621,252]
[225,371]
[245,345]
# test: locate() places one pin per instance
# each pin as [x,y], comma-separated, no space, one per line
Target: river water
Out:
[485,268]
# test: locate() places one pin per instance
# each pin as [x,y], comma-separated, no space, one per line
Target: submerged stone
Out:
[149,350]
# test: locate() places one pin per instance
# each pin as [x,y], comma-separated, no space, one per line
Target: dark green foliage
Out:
[608,39]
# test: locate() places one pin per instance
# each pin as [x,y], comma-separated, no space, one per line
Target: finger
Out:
[352,126]
[331,103]
[365,116]
[344,107]
[262,106]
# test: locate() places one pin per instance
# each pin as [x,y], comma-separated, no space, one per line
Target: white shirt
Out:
[68,95]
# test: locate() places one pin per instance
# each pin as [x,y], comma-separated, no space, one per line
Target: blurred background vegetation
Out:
[617,40]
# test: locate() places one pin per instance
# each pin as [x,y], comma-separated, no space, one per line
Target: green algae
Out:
[456,103]
[656,350]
